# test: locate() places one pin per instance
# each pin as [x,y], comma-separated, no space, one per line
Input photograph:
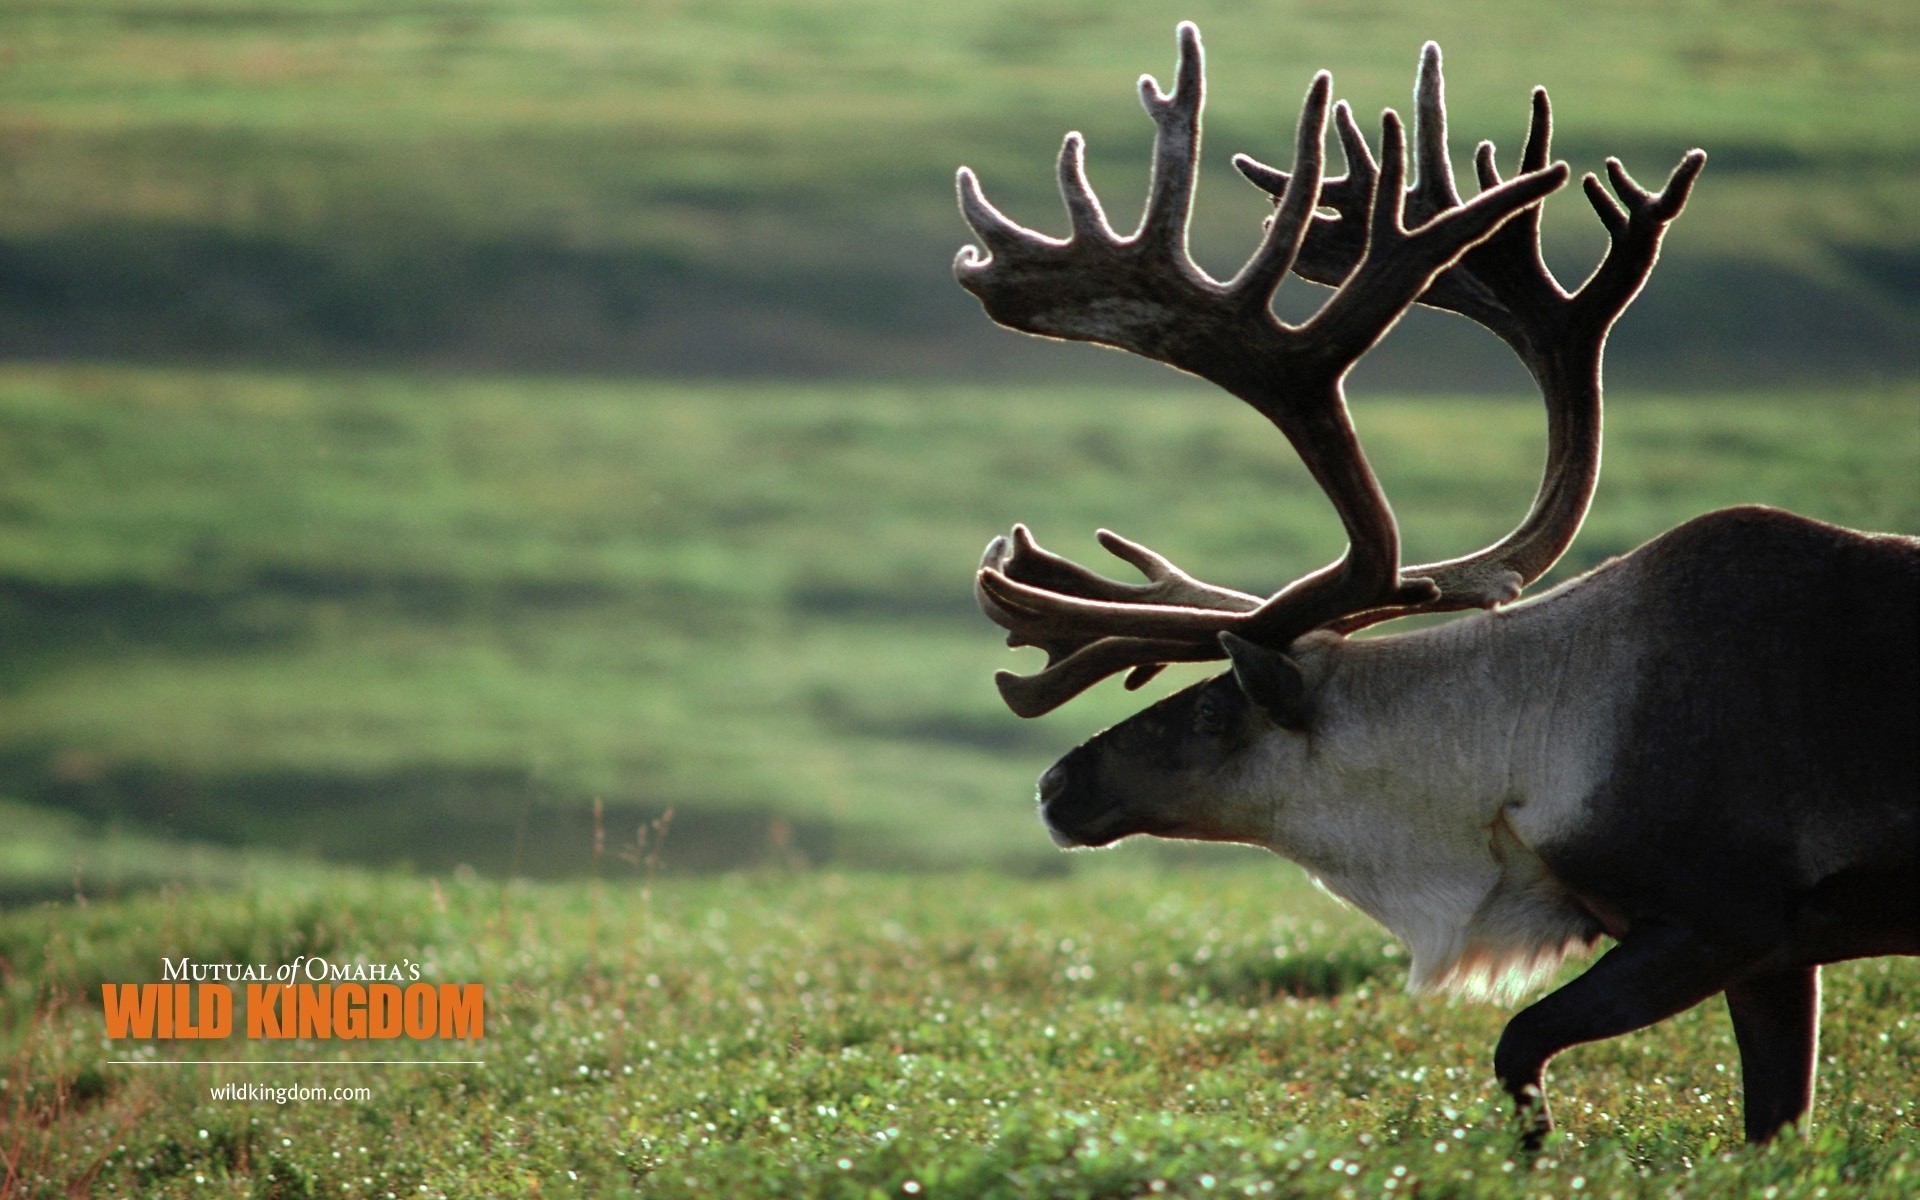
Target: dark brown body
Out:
[1774,750]
[1763,814]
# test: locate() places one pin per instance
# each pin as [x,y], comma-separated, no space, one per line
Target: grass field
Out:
[767,185]
[1131,1031]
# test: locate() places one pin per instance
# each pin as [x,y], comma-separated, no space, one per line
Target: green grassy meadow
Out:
[1130,1031]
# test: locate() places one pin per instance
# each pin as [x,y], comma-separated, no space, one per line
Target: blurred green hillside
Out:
[422,619]
[764,186]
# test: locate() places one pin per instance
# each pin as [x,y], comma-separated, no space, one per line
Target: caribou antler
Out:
[1504,285]
[1143,293]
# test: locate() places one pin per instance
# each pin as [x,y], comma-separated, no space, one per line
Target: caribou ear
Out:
[1270,679]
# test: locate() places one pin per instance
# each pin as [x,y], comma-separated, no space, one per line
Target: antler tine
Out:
[1083,207]
[1287,229]
[1433,189]
[1040,693]
[1176,150]
[1522,270]
[1002,238]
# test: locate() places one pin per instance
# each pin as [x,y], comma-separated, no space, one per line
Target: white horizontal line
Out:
[297,1062]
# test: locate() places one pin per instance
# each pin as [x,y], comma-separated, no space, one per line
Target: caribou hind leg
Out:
[1652,974]
[1776,1020]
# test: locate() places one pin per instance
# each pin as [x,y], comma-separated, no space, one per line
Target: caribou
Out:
[1706,751]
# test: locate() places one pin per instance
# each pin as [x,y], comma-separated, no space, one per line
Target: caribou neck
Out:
[1444,766]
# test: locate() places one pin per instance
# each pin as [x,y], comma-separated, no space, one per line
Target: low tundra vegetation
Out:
[1132,1028]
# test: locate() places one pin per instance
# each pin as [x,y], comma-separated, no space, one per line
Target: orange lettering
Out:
[384,1018]
[216,1010]
[263,1010]
[130,1008]
[350,1010]
[463,1009]
[316,1009]
[417,1007]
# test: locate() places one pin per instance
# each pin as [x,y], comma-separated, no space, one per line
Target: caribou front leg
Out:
[1652,974]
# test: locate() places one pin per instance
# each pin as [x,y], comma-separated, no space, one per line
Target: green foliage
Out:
[1127,1032]
[428,619]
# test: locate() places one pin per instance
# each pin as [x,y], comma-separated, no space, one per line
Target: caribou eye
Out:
[1209,717]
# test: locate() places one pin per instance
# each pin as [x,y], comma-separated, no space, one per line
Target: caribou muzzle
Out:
[1070,806]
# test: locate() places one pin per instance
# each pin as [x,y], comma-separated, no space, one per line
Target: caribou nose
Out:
[1052,786]
[1053,782]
